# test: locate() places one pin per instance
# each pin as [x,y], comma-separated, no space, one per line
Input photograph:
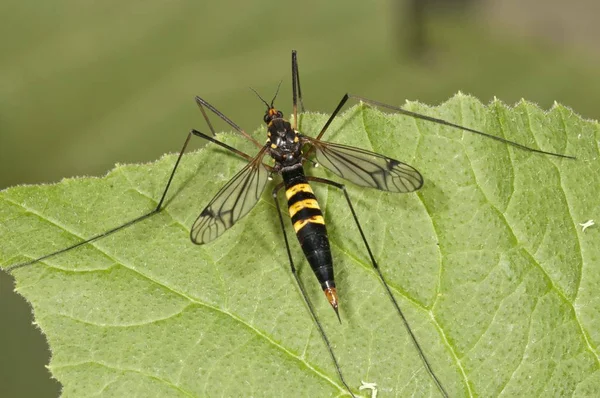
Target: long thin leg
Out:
[296,90]
[203,103]
[156,210]
[222,144]
[346,97]
[387,288]
[304,294]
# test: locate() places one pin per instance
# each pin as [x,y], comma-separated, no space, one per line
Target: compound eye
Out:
[266,118]
[279,114]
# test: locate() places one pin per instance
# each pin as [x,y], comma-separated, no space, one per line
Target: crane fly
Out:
[289,150]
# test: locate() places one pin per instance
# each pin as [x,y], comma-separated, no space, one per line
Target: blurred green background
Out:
[87,84]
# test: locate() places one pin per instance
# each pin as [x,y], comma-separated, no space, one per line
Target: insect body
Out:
[285,147]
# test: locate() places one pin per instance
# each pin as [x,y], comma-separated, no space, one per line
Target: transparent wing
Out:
[366,168]
[232,202]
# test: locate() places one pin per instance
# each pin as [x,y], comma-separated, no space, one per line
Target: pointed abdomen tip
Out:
[332,297]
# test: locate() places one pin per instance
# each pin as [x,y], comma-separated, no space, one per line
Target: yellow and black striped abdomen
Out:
[303,206]
[309,225]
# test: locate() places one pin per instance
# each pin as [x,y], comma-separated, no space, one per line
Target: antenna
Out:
[261,98]
[276,92]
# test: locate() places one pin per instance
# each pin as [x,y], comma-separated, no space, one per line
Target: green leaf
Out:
[488,261]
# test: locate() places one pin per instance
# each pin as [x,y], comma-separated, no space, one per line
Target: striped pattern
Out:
[303,207]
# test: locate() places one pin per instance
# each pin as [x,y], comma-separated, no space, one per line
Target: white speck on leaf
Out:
[586,225]
[369,386]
